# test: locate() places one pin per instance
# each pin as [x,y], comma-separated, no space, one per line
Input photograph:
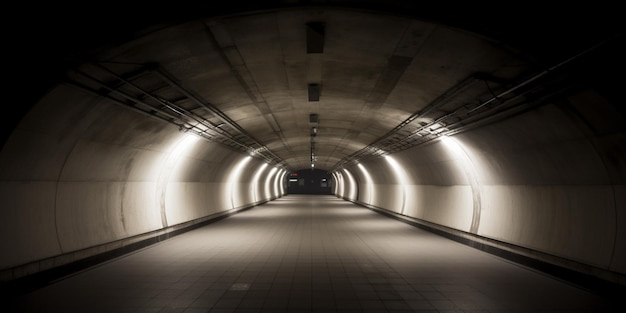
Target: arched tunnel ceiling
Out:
[384,76]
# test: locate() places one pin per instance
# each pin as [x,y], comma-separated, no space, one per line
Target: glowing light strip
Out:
[401,177]
[176,151]
[282,183]
[456,146]
[233,179]
[369,182]
[472,177]
[255,181]
[276,180]
[336,184]
[268,183]
[352,191]
[342,186]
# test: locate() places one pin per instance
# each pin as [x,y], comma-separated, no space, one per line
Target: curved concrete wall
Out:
[542,183]
[81,176]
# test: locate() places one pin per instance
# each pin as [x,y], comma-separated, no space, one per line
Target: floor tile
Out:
[305,253]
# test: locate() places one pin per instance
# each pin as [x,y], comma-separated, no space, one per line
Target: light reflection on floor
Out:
[306,253]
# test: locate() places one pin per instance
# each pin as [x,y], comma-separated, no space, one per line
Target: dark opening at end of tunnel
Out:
[310,181]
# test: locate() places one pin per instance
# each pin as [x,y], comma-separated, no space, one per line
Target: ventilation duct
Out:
[315,37]
[314,92]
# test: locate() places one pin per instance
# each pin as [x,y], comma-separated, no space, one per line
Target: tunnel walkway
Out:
[306,253]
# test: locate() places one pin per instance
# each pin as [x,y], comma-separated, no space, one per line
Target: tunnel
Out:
[314,156]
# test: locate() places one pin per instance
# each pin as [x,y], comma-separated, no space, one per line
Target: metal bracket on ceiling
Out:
[148,89]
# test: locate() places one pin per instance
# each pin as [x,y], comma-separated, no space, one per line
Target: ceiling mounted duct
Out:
[315,37]
[314,92]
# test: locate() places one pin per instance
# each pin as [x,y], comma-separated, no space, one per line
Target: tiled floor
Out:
[310,254]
